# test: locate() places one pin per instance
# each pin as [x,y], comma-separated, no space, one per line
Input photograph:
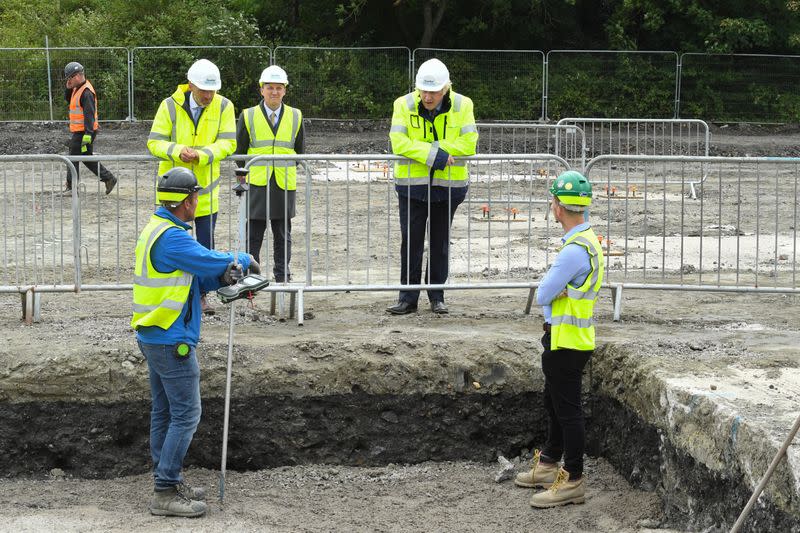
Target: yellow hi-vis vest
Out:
[214,139]
[263,141]
[572,322]
[413,137]
[158,298]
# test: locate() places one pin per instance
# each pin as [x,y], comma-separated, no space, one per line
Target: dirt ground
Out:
[743,345]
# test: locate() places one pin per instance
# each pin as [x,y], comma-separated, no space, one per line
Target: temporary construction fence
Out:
[611,83]
[739,235]
[504,84]
[345,82]
[33,81]
[564,140]
[356,83]
[688,137]
[349,235]
[739,87]
[156,71]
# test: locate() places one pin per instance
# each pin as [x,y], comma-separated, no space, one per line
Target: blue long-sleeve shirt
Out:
[176,249]
[572,265]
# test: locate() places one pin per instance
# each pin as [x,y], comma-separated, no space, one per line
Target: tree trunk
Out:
[295,18]
[431,22]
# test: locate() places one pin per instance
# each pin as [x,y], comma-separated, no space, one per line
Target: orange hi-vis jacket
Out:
[76,114]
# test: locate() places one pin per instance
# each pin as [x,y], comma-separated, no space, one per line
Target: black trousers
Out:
[566,434]
[75,149]
[413,219]
[281,244]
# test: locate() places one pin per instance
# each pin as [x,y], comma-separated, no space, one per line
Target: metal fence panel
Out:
[739,234]
[740,87]
[642,136]
[346,230]
[564,140]
[503,84]
[158,70]
[609,83]
[32,81]
[344,83]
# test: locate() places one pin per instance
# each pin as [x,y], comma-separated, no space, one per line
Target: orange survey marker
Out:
[608,250]
[513,211]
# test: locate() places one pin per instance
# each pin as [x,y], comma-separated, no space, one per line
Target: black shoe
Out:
[110,184]
[439,308]
[402,308]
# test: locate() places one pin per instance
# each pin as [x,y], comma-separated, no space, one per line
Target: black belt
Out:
[546,327]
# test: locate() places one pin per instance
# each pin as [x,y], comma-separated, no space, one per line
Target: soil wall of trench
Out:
[103,439]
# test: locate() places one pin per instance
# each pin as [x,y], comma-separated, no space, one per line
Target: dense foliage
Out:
[362,84]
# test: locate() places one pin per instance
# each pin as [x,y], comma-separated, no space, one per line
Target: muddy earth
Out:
[357,421]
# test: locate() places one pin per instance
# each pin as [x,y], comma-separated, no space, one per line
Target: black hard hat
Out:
[71,69]
[176,184]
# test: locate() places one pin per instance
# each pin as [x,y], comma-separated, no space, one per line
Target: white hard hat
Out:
[432,76]
[274,74]
[205,75]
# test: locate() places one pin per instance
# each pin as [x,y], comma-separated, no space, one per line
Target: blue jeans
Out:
[204,230]
[175,392]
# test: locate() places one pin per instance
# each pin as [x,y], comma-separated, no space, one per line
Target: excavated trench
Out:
[109,440]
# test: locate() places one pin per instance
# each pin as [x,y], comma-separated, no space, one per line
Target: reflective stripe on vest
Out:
[413,171]
[158,298]
[264,142]
[77,117]
[572,318]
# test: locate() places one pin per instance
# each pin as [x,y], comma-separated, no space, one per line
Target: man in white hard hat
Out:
[196,128]
[271,127]
[429,127]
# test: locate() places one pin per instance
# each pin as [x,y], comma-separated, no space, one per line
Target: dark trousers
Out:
[563,370]
[413,218]
[281,244]
[75,149]
[204,230]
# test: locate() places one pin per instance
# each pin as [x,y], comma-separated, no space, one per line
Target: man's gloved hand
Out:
[232,274]
[86,140]
[255,268]
[441,160]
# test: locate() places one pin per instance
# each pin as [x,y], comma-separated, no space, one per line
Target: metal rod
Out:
[767,475]
[226,417]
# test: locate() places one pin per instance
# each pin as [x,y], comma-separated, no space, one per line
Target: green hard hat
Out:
[176,184]
[572,188]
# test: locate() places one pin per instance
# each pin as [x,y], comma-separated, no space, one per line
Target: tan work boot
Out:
[540,475]
[172,502]
[193,493]
[562,492]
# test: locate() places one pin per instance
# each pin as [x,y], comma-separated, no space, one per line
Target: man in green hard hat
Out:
[567,295]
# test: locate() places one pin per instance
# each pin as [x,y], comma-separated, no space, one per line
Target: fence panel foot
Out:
[31,306]
[616,298]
